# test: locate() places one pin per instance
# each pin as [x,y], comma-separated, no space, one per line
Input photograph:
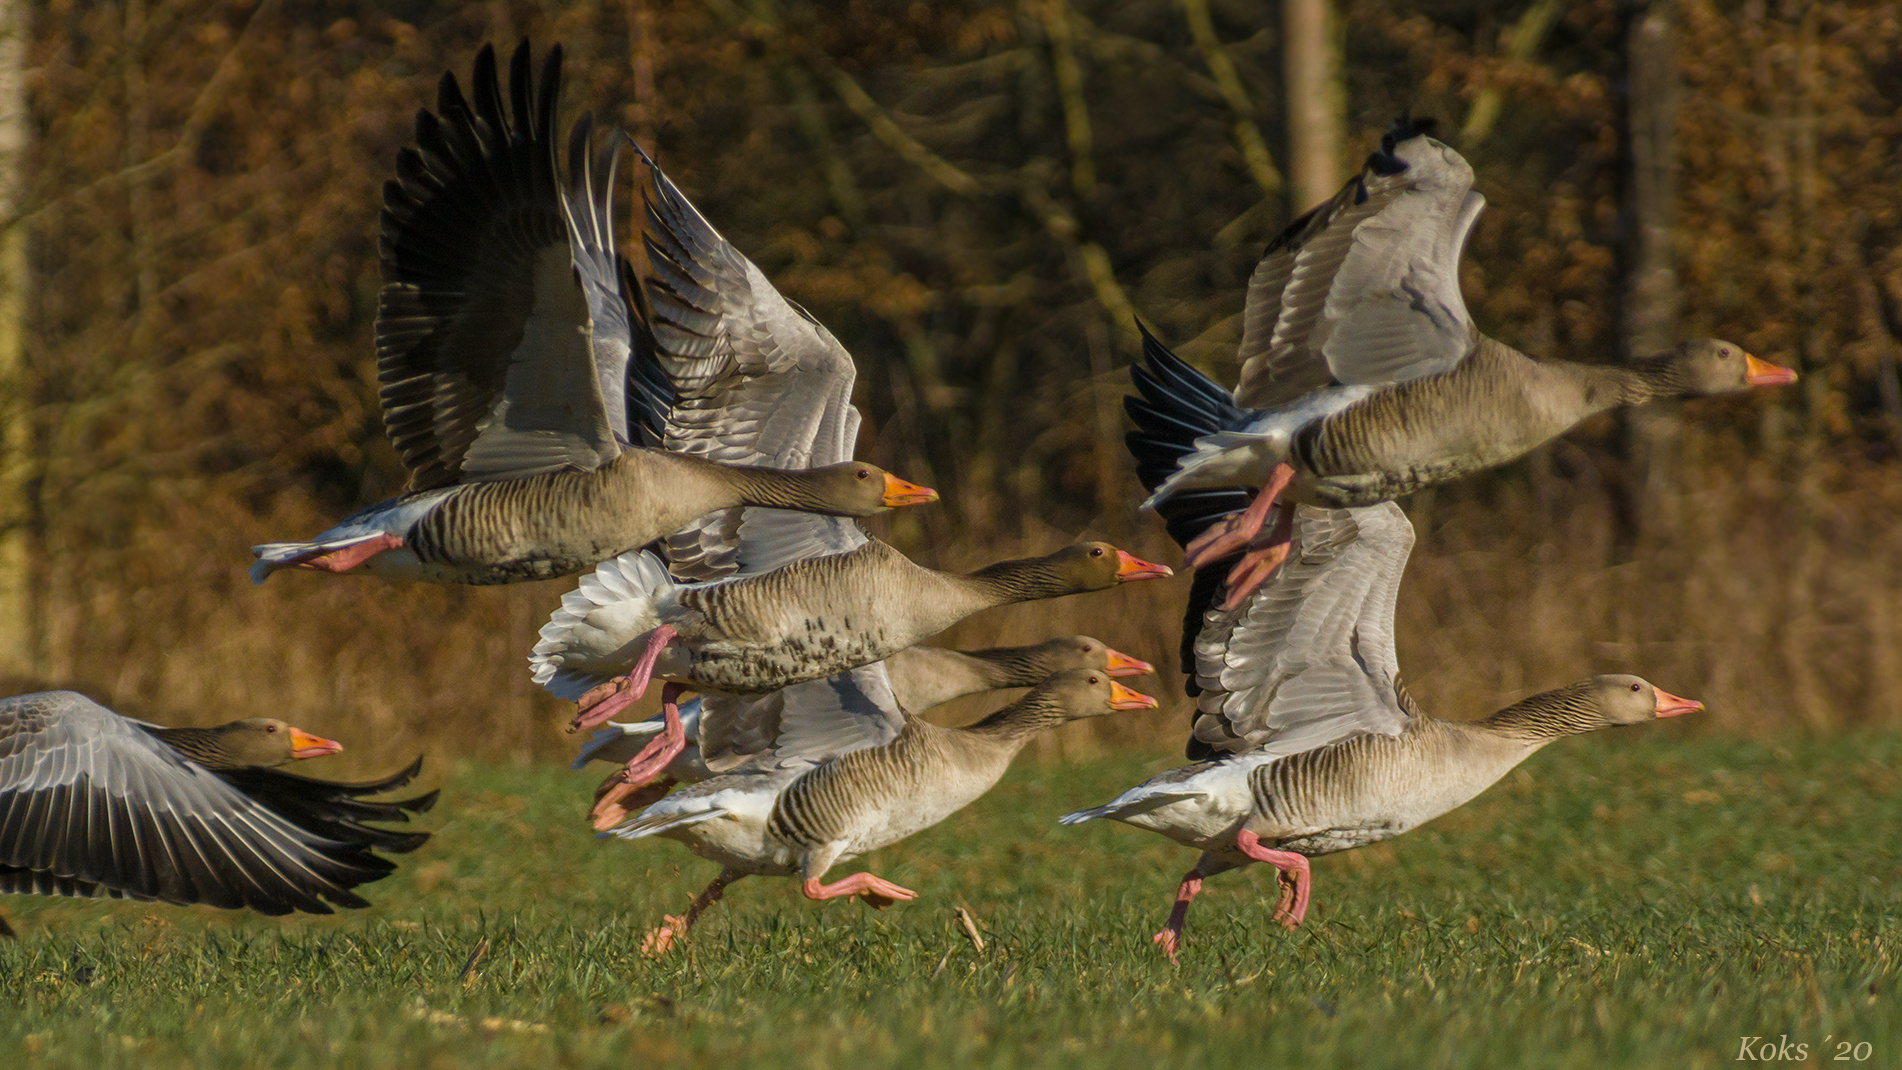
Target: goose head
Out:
[1082,652]
[1622,700]
[1074,694]
[263,742]
[857,488]
[1704,366]
[1096,566]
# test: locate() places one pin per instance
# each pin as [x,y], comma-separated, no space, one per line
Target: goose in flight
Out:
[518,382]
[1363,377]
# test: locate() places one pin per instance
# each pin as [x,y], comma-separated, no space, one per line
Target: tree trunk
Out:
[16,411]
[1311,62]
[1650,292]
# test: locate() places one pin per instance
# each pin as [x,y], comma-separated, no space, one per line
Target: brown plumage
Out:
[519,378]
[1312,745]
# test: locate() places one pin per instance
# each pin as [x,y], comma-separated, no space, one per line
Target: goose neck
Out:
[1545,717]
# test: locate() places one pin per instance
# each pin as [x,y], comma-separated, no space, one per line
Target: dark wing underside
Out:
[93,804]
[502,331]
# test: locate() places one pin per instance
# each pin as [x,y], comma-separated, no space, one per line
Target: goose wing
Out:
[503,330]
[758,381]
[804,723]
[91,803]
[1366,287]
[1309,658]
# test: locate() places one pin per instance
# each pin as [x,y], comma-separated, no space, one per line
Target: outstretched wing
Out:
[1365,288]
[93,804]
[1309,658]
[758,381]
[503,334]
[807,722]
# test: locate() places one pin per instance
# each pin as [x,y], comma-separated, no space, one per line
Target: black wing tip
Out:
[1405,128]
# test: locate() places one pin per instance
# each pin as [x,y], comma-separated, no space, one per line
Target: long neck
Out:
[1630,382]
[206,746]
[923,677]
[779,488]
[1547,716]
[1025,580]
[1013,725]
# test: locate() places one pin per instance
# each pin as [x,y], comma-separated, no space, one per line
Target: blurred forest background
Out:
[978,198]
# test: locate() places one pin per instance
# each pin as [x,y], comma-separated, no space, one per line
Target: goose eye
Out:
[864,473]
[1096,679]
[1636,688]
[1098,552]
[270,728]
[1723,351]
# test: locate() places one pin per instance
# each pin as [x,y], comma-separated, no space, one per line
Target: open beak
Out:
[900,493]
[305,745]
[1121,664]
[1670,705]
[1130,567]
[1122,698]
[1763,373]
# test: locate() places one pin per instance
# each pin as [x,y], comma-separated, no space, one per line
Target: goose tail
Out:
[584,643]
[1175,408]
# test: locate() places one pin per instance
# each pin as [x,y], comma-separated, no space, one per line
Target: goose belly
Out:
[1205,807]
[1361,791]
[917,812]
[873,798]
[769,635]
[520,530]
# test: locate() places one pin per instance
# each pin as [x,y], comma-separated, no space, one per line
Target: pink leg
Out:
[1265,555]
[1232,534]
[617,798]
[660,940]
[621,692]
[1293,868]
[876,892]
[349,557]
[1172,932]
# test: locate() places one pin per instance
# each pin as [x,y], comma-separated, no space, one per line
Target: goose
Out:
[95,804]
[921,677]
[754,599]
[1304,742]
[1363,377]
[517,382]
[834,769]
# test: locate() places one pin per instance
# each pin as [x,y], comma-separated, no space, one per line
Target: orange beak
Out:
[1670,705]
[305,745]
[1130,567]
[900,493]
[1763,373]
[1122,698]
[1121,664]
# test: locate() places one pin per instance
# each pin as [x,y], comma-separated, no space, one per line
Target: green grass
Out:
[1636,899]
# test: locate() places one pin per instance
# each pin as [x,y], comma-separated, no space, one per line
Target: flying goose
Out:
[1363,377]
[1304,741]
[752,600]
[518,381]
[921,677]
[834,769]
[93,804]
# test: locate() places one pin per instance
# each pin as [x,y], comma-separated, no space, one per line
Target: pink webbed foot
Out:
[1228,536]
[606,700]
[1171,933]
[1265,555]
[1293,869]
[660,940]
[876,892]
[349,557]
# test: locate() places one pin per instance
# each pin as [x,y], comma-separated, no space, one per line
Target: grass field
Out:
[1644,898]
